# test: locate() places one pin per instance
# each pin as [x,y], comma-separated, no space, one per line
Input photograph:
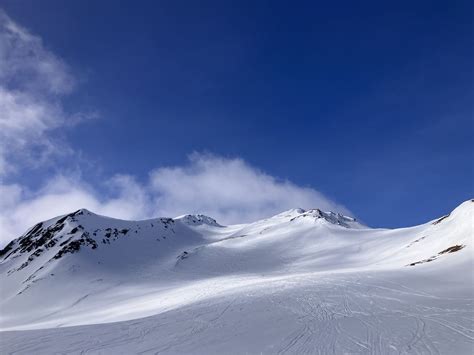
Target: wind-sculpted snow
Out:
[299,282]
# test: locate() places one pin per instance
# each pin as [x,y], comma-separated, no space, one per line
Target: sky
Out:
[238,110]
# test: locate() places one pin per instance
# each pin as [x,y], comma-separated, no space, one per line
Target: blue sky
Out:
[367,105]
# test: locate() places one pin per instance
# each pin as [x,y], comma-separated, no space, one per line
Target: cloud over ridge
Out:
[228,189]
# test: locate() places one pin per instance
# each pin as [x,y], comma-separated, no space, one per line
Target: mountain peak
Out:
[316,213]
[197,219]
[83,211]
[68,234]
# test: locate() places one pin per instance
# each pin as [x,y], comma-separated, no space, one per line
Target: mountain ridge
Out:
[47,228]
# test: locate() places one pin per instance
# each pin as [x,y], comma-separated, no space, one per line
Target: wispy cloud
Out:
[33,82]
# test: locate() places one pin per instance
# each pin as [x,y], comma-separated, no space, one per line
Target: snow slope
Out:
[298,282]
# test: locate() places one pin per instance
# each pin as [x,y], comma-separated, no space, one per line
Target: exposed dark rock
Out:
[75,245]
[452,249]
[183,255]
[441,219]
[423,261]
[22,266]
[7,248]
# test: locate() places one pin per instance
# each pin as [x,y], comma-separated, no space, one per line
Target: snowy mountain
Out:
[303,281]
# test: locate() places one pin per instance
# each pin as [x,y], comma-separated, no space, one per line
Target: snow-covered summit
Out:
[197,219]
[316,213]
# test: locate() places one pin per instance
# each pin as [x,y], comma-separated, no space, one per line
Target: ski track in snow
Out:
[328,315]
[301,282]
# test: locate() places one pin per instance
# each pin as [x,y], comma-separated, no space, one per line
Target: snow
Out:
[298,282]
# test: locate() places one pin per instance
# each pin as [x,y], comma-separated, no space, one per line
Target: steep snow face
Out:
[298,267]
[57,238]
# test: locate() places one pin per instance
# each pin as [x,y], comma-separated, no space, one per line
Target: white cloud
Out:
[32,83]
[229,190]
[21,209]
[26,65]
